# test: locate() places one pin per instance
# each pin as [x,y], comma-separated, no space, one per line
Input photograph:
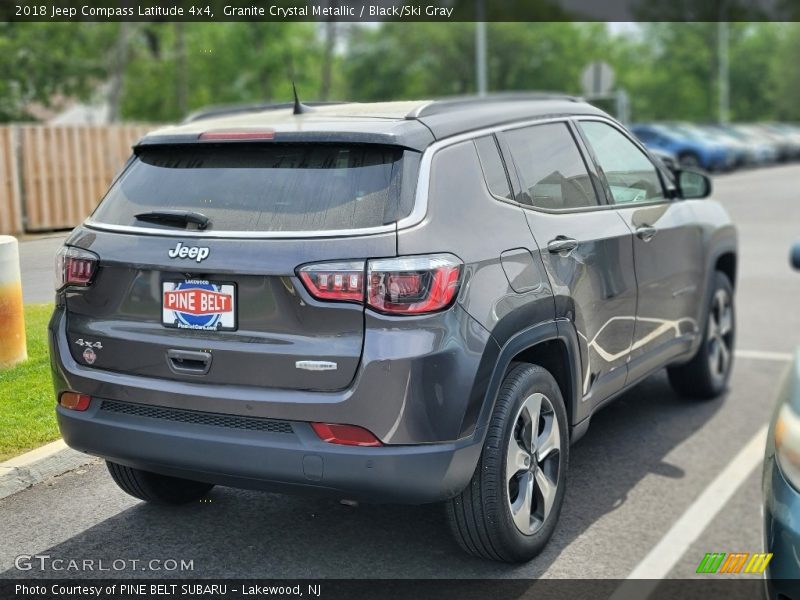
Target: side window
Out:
[493,169]
[553,173]
[630,174]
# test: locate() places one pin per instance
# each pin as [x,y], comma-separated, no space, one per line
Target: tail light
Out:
[75,267]
[413,285]
[75,401]
[410,285]
[231,135]
[335,281]
[345,435]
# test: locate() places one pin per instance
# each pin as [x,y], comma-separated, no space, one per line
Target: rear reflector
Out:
[264,134]
[75,401]
[346,435]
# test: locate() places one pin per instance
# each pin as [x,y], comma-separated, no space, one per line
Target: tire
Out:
[689,160]
[706,375]
[482,517]
[155,488]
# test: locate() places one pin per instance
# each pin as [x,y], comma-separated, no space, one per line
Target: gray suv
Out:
[404,302]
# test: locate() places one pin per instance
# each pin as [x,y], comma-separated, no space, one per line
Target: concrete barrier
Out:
[12,318]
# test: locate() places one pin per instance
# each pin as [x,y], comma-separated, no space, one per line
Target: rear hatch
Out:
[219,301]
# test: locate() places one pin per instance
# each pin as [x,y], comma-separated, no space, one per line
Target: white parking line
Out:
[665,555]
[763,355]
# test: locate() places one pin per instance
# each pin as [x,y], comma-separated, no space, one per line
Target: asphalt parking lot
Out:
[641,489]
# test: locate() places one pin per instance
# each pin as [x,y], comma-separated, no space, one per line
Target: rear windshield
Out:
[286,187]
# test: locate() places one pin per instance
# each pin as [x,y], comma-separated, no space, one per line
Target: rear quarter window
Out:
[494,171]
[248,187]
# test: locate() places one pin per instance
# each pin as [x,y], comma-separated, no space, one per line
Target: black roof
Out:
[413,124]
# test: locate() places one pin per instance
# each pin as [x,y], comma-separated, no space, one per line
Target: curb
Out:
[26,470]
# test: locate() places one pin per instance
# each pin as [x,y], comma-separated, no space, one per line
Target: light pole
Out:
[480,47]
[723,75]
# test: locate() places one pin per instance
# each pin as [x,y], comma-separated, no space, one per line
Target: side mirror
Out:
[795,256]
[693,185]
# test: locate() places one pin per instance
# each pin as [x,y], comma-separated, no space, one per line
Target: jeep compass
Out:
[403,302]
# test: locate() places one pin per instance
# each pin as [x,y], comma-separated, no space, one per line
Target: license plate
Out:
[199,304]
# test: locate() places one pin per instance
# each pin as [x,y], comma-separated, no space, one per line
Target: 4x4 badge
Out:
[198,253]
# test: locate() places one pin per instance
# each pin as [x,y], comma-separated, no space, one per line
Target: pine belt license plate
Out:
[198,304]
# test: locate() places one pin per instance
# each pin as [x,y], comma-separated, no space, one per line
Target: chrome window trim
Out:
[331,233]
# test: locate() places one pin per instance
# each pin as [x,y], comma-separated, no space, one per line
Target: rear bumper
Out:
[283,456]
[412,392]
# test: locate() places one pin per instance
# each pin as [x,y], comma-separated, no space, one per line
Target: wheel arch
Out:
[726,262]
[552,345]
[722,257]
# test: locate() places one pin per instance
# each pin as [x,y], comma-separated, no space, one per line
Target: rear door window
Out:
[554,176]
[281,187]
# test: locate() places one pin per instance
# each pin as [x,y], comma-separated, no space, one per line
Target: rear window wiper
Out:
[175,218]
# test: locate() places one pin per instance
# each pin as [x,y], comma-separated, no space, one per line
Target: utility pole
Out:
[119,61]
[480,47]
[181,70]
[723,72]
[327,57]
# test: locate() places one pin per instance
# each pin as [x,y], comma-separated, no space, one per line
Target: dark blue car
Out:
[781,483]
[692,151]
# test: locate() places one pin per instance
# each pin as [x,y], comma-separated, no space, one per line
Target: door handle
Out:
[646,233]
[188,362]
[562,245]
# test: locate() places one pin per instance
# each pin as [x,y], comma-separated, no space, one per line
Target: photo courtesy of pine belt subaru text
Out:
[409,302]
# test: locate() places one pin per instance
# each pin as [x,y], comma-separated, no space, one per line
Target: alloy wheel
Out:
[532,463]
[720,334]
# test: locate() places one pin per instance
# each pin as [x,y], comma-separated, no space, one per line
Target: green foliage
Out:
[27,414]
[224,63]
[42,61]
[398,60]
[669,69]
[786,76]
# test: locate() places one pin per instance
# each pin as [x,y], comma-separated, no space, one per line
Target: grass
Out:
[27,408]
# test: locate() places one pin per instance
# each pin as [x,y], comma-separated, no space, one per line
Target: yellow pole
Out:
[12,318]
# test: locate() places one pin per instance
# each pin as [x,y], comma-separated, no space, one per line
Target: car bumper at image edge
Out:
[781,534]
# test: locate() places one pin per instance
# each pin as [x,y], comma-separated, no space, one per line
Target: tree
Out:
[786,77]
[226,63]
[45,62]
[401,60]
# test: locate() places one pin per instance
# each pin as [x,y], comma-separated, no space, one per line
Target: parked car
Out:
[788,136]
[668,159]
[740,153]
[735,153]
[748,152]
[781,483]
[692,151]
[766,151]
[404,302]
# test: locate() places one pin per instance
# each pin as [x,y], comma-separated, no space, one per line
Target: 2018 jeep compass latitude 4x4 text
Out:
[395,302]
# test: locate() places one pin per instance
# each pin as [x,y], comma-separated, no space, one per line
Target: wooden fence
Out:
[52,177]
